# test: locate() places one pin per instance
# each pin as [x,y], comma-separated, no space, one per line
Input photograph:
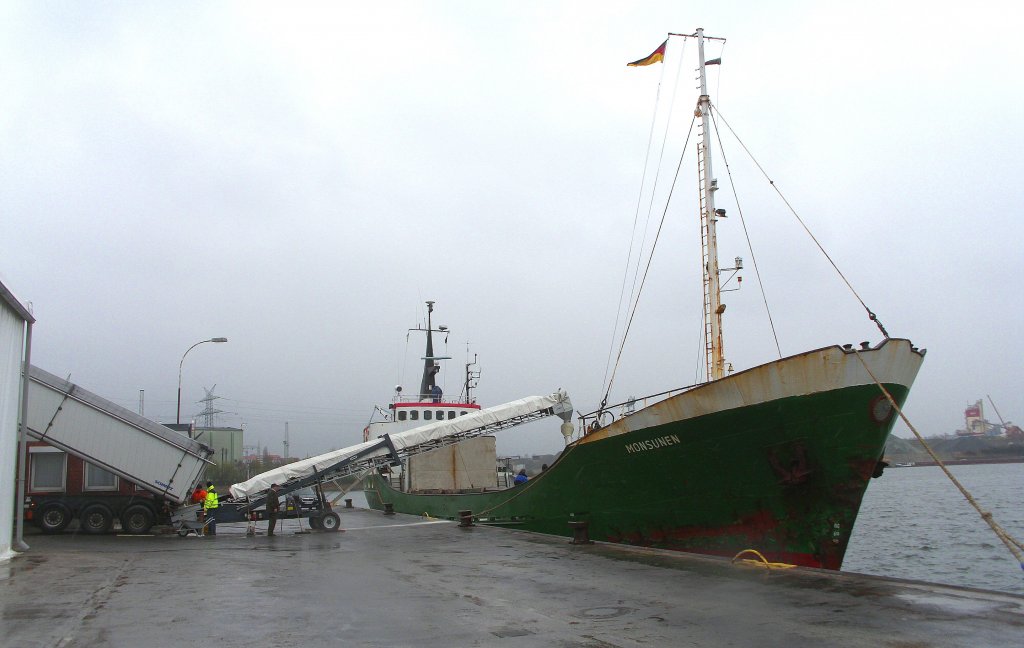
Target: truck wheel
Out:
[96,518]
[330,522]
[137,520]
[54,518]
[314,523]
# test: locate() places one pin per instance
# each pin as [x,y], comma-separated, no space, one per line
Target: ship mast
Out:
[428,384]
[430,367]
[713,306]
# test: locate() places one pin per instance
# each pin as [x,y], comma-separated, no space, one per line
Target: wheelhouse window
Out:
[414,415]
[49,468]
[427,415]
[402,415]
[440,415]
[451,414]
[97,478]
[463,413]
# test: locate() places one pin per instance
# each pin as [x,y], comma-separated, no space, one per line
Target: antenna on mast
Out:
[472,378]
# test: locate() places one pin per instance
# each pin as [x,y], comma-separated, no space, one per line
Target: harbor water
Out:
[914,523]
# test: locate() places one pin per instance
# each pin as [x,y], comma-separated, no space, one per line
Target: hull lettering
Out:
[652,444]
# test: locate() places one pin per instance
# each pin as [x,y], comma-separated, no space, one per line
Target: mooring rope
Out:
[527,486]
[1011,543]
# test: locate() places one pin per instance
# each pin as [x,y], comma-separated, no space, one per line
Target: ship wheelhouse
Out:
[406,415]
[423,413]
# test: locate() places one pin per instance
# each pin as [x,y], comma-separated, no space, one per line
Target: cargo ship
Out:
[775,458]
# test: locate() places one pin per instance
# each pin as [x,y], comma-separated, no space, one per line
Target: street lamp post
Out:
[216,339]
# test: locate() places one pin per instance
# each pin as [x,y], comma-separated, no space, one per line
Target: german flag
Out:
[657,56]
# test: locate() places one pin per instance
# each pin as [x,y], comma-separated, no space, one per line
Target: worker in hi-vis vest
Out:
[210,506]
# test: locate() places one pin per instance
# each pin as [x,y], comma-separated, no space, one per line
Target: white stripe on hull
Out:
[894,361]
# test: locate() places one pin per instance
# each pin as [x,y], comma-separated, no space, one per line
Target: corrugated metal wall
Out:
[12,344]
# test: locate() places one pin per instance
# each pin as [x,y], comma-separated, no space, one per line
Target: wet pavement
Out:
[403,581]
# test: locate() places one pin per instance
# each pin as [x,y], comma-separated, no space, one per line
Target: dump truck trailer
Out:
[78,436]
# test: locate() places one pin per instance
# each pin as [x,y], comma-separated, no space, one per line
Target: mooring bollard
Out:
[389,508]
[465,518]
[580,535]
[348,503]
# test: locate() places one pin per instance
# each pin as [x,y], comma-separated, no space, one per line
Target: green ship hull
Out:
[760,460]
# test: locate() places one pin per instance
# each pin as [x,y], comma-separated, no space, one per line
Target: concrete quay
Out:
[404,581]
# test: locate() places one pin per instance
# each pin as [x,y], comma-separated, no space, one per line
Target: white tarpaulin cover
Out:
[401,440]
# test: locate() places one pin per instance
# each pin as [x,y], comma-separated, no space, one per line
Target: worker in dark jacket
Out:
[273,506]
[521,478]
[210,507]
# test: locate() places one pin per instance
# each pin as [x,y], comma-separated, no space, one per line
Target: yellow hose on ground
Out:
[763,562]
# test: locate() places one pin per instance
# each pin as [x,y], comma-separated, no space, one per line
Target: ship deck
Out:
[403,581]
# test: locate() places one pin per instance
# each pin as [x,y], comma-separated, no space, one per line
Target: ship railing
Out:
[593,421]
[415,398]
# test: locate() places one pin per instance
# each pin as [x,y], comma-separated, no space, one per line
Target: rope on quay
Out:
[1011,543]
[763,562]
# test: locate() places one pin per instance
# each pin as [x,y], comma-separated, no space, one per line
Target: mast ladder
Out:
[709,352]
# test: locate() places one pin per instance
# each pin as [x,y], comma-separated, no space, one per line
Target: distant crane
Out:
[1012,431]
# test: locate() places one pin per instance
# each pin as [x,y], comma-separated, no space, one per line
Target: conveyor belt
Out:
[392,449]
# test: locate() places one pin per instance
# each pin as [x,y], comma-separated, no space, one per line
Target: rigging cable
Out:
[405,359]
[718,77]
[632,238]
[657,175]
[743,221]
[871,314]
[650,206]
[647,268]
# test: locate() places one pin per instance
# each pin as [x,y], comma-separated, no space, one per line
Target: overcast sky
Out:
[300,178]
